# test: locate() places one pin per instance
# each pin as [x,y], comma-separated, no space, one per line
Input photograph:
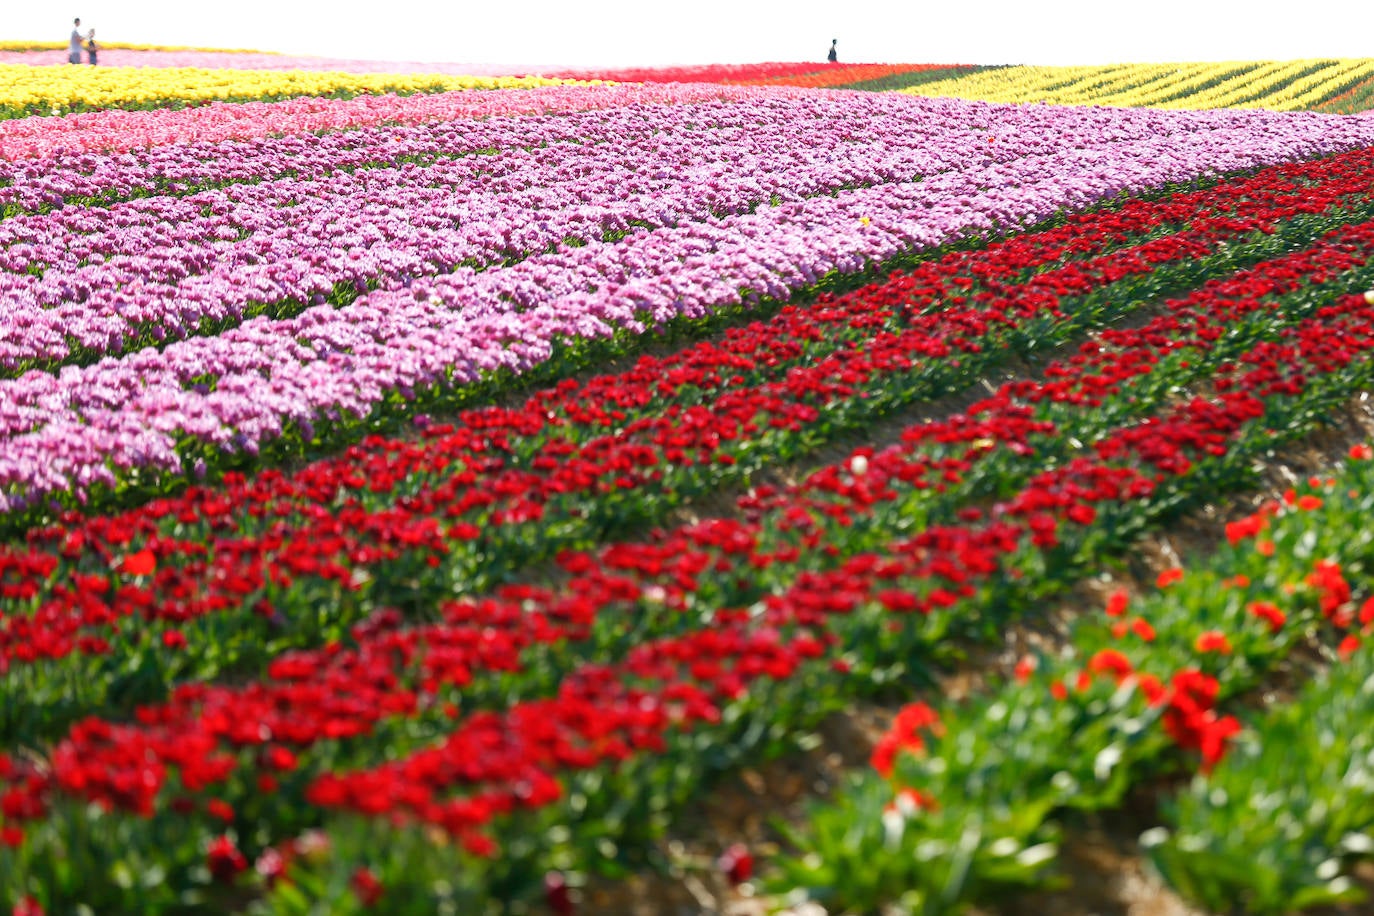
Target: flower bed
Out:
[826,571]
[214,122]
[1141,689]
[1298,85]
[40,91]
[553,474]
[268,380]
[338,572]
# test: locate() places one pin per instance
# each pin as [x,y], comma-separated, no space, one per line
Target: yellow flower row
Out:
[1281,86]
[1015,84]
[1189,86]
[121,45]
[1312,91]
[57,90]
[1165,85]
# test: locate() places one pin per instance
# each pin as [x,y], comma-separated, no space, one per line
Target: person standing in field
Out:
[91,47]
[834,55]
[74,43]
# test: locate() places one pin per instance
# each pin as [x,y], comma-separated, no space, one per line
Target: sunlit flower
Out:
[1169,577]
[1270,613]
[1117,602]
[1213,641]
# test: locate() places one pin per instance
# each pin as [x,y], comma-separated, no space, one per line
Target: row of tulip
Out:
[1277,85]
[1284,821]
[117,131]
[669,689]
[955,131]
[437,786]
[1358,98]
[39,186]
[27,90]
[285,226]
[1317,84]
[541,478]
[149,417]
[859,76]
[911,78]
[725,74]
[966,801]
[180,170]
[812,76]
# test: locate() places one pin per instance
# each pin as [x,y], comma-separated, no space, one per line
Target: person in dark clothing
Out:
[834,55]
[91,47]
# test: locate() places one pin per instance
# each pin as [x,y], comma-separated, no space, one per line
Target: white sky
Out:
[640,32]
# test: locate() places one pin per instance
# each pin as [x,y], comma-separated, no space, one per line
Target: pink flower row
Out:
[121,131]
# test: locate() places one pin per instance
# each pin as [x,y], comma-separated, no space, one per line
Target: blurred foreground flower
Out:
[737,863]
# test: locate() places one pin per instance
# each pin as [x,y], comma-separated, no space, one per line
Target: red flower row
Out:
[724,661]
[766,74]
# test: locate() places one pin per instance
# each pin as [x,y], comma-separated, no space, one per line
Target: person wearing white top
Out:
[74,44]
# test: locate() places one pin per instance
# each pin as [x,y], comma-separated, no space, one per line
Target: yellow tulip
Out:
[1278,85]
[23,87]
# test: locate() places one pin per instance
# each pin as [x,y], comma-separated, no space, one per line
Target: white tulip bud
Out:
[894,825]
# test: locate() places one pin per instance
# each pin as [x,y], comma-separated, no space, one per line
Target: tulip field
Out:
[425,491]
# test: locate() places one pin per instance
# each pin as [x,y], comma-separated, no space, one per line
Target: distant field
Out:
[1335,86]
[1338,86]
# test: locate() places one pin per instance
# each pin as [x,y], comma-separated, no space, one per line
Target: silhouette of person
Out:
[74,43]
[91,47]
[834,55]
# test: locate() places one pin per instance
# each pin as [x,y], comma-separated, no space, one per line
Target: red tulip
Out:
[141,563]
[557,894]
[367,886]
[737,863]
[224,859]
